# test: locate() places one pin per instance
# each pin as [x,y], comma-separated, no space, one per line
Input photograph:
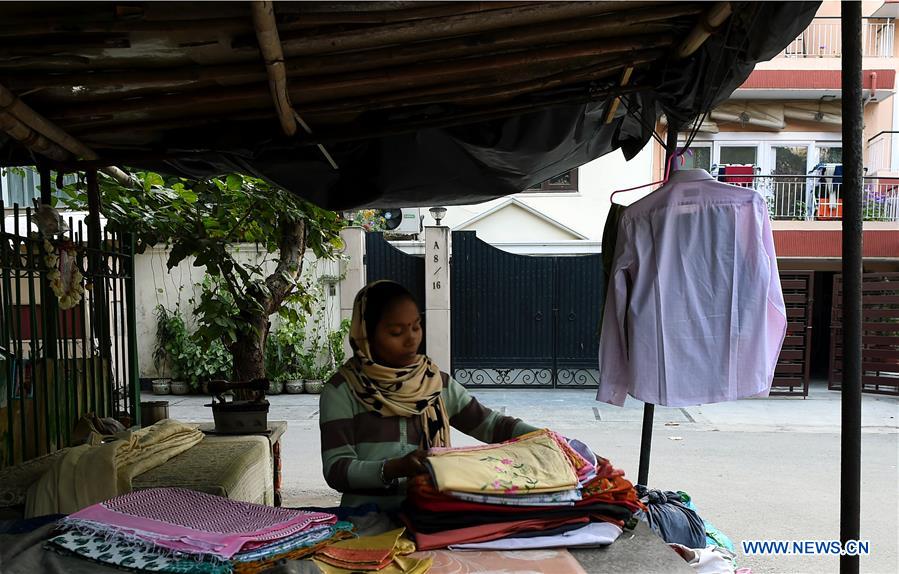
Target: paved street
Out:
[758,469]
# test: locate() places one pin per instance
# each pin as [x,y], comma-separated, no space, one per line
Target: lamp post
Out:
[437,213]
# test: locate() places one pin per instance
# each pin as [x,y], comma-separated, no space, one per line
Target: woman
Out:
[388,404]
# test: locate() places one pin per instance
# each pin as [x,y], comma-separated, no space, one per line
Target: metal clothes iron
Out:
[239,416]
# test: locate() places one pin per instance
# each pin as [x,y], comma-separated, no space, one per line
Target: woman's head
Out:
[392,324]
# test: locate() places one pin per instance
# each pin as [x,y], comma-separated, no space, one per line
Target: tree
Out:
[204,219]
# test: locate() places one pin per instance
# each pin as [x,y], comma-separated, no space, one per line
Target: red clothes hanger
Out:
[662,181]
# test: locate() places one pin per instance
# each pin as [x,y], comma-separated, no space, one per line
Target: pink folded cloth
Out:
[193,522]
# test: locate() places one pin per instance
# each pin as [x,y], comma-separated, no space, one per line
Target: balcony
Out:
[818,198]
[822,39]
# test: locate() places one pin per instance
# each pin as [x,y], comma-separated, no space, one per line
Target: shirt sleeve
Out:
[614,345]
[343,469]
[474,419]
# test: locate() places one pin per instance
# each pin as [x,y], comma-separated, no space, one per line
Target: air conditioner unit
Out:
[405,221]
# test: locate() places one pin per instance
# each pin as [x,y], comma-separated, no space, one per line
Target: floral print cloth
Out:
[536,462]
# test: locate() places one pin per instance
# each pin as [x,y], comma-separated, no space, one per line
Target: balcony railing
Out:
[822,39]
[819,198]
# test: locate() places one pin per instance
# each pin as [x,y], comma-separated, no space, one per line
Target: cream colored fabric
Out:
[533,463]
[236,467]
[94,472]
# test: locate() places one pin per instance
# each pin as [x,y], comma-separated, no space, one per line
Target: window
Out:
[789,160]
[697,157]
[830,154]
[21,185]
[564,183]
[738,155]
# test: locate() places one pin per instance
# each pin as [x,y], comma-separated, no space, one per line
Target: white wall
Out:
[584,211]
[156,285]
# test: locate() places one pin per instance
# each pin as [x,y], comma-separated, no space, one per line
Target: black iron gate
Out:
[384,261]
[523,321]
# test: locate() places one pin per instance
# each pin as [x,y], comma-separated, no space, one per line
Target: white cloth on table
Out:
[561,498]
[593,534]
[694,311]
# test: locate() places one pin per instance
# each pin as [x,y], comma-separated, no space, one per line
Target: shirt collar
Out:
[687,175]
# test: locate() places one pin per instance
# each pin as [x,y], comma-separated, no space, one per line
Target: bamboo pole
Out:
[22,112]
[306,19]
[481,92]
[636,23]
[30,138]
[447,27]
[708,23]
[368,84]
[270,46]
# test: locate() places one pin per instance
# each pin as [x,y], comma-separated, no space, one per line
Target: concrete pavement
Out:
[759,469]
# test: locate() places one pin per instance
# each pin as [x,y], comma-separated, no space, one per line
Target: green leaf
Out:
[234,182]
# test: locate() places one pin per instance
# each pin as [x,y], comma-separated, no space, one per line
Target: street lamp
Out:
[437,213]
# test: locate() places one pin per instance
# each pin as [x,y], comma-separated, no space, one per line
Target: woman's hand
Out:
[407,466]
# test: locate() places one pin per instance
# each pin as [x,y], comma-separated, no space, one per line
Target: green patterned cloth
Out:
[133,557]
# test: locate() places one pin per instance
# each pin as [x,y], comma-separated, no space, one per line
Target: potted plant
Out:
[294,383]
[170,337]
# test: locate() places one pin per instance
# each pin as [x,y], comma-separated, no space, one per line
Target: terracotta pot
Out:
[294,386]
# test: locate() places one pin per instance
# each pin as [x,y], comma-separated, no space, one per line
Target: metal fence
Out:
[819,198]
[822,39]
[56,365]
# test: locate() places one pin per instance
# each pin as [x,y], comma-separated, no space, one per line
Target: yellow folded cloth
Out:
[385,553]
[533,463]
[97,471]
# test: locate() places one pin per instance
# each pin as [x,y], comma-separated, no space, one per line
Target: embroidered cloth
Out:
[532,463]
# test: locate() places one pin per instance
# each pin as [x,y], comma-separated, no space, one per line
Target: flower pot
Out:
[275,387]
[313,387]
[153,411]
[161,387]
[294,386]
[204,388]
[180,388]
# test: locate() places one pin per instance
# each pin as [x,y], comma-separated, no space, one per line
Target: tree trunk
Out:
[249,348]
[249,352]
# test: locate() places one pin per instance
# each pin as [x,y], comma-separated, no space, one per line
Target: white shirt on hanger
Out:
[694,311]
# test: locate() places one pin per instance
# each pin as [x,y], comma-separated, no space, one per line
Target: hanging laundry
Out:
[694,312]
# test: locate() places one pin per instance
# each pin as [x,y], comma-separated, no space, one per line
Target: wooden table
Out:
[274,432]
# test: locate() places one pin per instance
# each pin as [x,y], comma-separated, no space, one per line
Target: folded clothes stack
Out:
[538,490]
[386,553]
[182,531]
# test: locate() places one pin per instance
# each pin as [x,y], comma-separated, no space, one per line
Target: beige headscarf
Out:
[409,391]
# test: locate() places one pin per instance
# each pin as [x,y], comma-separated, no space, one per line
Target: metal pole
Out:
[853,123]
[649,409]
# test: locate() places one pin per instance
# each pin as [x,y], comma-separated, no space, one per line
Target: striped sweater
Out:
[355,442]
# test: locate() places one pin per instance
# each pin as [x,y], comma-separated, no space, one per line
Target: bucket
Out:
[153,411]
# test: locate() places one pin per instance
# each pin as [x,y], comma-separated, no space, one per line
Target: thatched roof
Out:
[413,102]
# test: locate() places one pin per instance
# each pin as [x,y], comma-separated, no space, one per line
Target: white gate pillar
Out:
[437,295]
[356,275]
